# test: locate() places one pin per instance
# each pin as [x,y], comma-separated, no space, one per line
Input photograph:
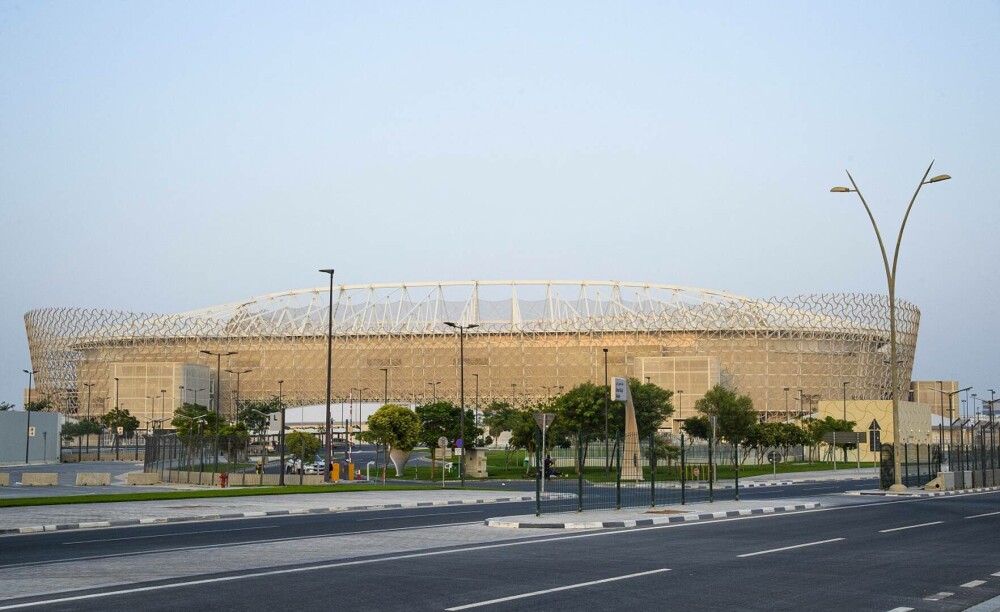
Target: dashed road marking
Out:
[901,609]
[973,583]
[938,596]
[910,527]
[773,550]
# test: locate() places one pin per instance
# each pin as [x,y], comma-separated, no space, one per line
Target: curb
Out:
[681,518]
[253,514]
[919,493]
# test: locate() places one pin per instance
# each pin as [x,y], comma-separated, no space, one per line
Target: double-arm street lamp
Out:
[281,435]
[461,385]
[218,400]
[434,393]
[329,377]
[237,373]
[890,276]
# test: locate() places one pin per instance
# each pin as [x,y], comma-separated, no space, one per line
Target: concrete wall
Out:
[43,447]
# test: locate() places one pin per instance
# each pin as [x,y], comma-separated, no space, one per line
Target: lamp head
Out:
[450,324]
[327,271]
[939,178]
[841,190]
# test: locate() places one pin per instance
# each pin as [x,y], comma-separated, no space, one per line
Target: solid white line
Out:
[555,590]
[901,609]
[973,584]
[399,516]
[910,527]
[167,535]
[773,550]
[981,515]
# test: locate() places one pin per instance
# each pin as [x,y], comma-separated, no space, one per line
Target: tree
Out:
[502,416]
[38,406]
[697,427]
[443,418]
[397,426]
[818,428]
[120,417]
[195,419]
[81,428]
[734,414]
[233,441]
[253,413]
[5,406]
[652,406]
[302,446]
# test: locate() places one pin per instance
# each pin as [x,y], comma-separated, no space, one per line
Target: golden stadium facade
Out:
[534,339]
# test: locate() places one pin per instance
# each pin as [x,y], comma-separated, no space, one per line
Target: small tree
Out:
[5,406]
[38,406]
[120,417]
[397,426]
[734,414]
[302,446]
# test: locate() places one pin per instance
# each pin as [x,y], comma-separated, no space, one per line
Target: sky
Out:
[167,156]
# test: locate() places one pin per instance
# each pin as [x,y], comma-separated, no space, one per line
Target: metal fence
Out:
[106,446]
[636,473]
[974,460]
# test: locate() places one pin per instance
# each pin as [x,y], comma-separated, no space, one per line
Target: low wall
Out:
[235,480]
[140,478]
[93,479]
[39,479]
[4,480]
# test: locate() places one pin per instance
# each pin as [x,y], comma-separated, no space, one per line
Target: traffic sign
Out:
[544,419]
[442,442]
[774,457]
[620,391]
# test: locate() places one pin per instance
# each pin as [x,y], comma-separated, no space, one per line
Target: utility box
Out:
[475,463]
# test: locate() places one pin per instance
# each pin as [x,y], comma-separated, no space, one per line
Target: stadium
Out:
[534,339]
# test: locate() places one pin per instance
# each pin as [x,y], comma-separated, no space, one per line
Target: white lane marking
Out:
[938,596]
[910,527]
[774,550]
[167,535]
[973,584]
[995,574]
[399,516]
[982,515]
[555,590]
[901,609]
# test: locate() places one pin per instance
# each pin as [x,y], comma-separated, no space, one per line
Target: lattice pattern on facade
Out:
[534,337]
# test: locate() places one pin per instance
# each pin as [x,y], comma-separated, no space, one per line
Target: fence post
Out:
[736,469]
[538,473]
[652,469]
[618,471]
[579,473]
[683,471]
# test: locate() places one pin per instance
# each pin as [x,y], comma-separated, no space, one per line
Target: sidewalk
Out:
[34,519]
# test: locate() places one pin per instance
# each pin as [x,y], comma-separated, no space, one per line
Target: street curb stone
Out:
[680,518]
[235,515]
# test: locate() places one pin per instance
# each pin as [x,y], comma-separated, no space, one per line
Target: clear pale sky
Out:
[167,156]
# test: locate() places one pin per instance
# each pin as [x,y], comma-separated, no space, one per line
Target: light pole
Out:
[350,419]
[845,399]
[163,406]
[788,415]
[513,394]
[196,395]
[434,392]
[476,413]
[281,435]
[27,409]
[890,276]
[607,392]
[461,385]
[951,414]
[90,387]
[329,377]
[800,405]
[237,373]
[385,386]
[218,401]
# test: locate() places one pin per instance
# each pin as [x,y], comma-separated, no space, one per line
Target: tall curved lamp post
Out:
[461,385]
[890,276]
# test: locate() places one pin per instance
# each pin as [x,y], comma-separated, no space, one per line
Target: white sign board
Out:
[619,391]
[31,432]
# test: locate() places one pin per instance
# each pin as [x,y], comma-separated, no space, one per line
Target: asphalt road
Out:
[869,554]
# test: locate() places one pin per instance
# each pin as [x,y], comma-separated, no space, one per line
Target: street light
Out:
[350,419]
[281,435]
[788,415]
[607,392]
[329,377]
[434,386]
[890,276]
[385,386]
[845,399]
[951,415]
[476,413]
[27,409]
[237,373]
[90,387]
[218,400]
[461,385]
